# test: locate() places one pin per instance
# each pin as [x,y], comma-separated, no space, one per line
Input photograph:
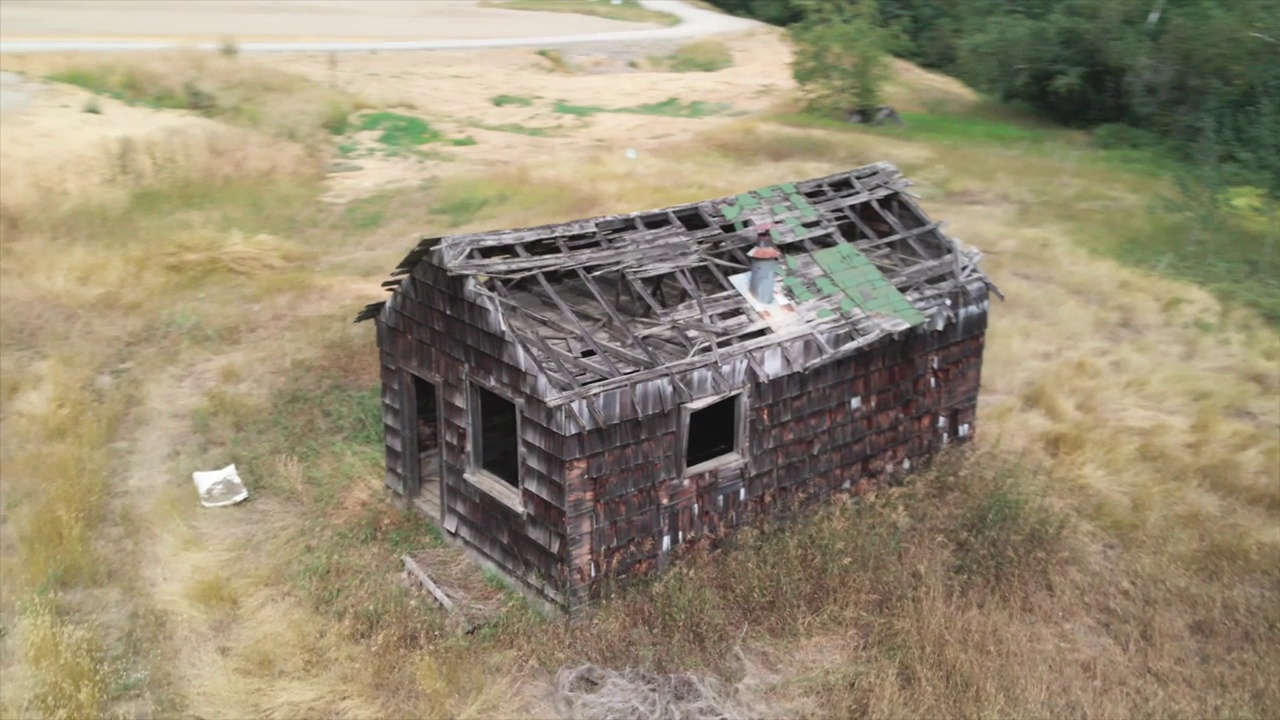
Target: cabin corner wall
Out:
[433,330]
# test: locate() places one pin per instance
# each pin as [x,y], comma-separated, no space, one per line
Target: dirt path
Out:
[124,25]
[15,93]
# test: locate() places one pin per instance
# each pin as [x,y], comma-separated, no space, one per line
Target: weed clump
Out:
[71,676]
[516,100]
[1004,535]
[557,60]
[701,56]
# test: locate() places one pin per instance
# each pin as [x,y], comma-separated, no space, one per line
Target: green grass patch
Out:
[405,134]
[516,100]
[462,203]
[671,107]
[565,108]
[1234,254]
[966,130]
[952,129]
[519,129]
[701,56]
[130,87]
[367,213]
[400,131]
[626,11]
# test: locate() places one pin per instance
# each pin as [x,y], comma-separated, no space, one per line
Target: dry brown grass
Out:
[279,127]
[1124,565]
[66,662]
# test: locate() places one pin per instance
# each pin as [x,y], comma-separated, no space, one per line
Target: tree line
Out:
[1200,78]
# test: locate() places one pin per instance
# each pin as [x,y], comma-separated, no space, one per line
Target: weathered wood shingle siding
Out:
[804,440]
[434,331]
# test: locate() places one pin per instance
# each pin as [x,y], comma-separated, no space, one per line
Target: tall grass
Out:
[67,661]
[969,591]
[63,473]
[219,86]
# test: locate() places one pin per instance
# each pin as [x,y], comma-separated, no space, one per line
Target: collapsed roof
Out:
[631,297]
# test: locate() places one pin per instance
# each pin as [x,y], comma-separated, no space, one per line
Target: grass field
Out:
[1109,548]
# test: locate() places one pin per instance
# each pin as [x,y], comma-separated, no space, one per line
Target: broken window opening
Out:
[712,431]
[494,438]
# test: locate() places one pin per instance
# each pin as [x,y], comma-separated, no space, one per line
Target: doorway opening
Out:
[426,407]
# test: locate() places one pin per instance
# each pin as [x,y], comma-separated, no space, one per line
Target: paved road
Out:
[694,22]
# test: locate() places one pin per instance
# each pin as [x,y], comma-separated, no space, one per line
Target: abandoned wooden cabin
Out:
[586,399]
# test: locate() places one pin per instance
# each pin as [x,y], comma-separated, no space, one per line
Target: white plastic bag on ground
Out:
[219,488]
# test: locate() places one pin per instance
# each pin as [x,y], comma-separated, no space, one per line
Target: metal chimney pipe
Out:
[764,266]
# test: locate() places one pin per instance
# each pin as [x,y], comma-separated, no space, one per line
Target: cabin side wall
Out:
[431,329]
[845,425]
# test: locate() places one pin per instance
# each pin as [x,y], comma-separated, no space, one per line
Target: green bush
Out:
[841,55]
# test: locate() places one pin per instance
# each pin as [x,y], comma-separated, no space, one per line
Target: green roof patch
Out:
[850,272]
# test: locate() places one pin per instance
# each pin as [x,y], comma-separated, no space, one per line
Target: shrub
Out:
[701,56]
[841,55]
